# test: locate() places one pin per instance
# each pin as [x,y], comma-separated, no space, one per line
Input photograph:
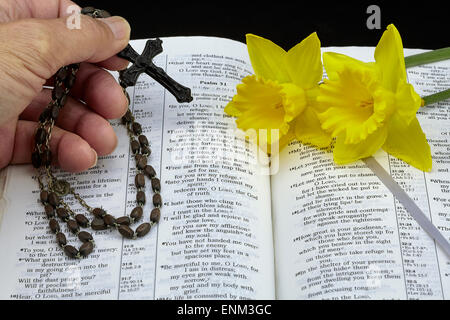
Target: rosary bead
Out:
[47,158]
[128,117]
[40,136]
[54,112]
[58,93]
[137,128]
[61,239]
[135,146]
[44,116]
[69,81]
[157,200]
[143,229]
[85,236]
[86,249]
[49,211]
[155,215]
[53,199]
[71,251]
[44,196]
[123,221]
[149,171]
[87,10]
[36,159]
[82,220]
[146,151]
[73,226]
[126,231]
[109,220]
[143,140]
[62,213]
[136,213]
[141,162]
[103,14]
[140,197]
[98,212]
[139,180]
[62,74]
[98,224]
[156,185]
[54,225]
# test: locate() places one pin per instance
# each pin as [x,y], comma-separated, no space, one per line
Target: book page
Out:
[340,234]
[214,238]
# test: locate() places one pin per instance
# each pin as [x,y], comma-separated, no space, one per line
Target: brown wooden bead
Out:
[62,74]
[135,147]
[123,220]
[156,185]
[49,211]
[98,212]
[46,158]
[157,200]
[70,80]
[86,248]
[146,151]
[61,239]
[62,213]
[45,115]
[137,128]
[143,140]
[136,213]
[143,229]
[139,180]
[73,226]
[155,215]
[141,162]
[53,199]
[109,220]
[36,159]
[149,171]
[126,231]
[140,197]
[98,224]
[40,136]
[57,93]
[44,196]
[71,251]
[54,112]
[54,225]
[85,236]
[82,220]
[127,118]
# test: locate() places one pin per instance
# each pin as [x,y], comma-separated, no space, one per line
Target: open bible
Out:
[234,225]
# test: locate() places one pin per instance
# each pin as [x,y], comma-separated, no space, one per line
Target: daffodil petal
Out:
[267,58]
[390,59]
[294,100]
[407,142]
[344,153]
[335,63]
[407,102]
[308,129]
[304,63]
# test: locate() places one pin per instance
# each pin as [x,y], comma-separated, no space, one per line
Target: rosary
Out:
[52,196]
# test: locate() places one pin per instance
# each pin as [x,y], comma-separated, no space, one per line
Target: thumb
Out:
[45,45]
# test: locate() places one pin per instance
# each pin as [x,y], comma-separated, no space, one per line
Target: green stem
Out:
[427,57]
[436,97]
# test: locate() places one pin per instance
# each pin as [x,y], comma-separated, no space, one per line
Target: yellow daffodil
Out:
[368,106]
[282,93]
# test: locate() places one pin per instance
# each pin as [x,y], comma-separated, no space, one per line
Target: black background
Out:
[421,23]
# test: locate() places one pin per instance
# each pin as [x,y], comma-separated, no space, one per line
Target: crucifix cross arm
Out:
[144,64]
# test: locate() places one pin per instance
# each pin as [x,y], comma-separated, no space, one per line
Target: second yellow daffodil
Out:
[282,94]
[368,106]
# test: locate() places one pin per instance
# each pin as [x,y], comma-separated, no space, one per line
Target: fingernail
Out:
[119,26]
[95,157]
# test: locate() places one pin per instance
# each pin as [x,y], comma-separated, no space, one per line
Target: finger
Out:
[77,118]
[114,64]
[45,45]
[7,132]
[100,91]
[70,151]
[14,10]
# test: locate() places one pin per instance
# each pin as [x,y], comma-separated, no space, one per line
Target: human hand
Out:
[35,43]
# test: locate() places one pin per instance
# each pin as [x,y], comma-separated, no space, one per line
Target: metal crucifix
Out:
[144,64]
